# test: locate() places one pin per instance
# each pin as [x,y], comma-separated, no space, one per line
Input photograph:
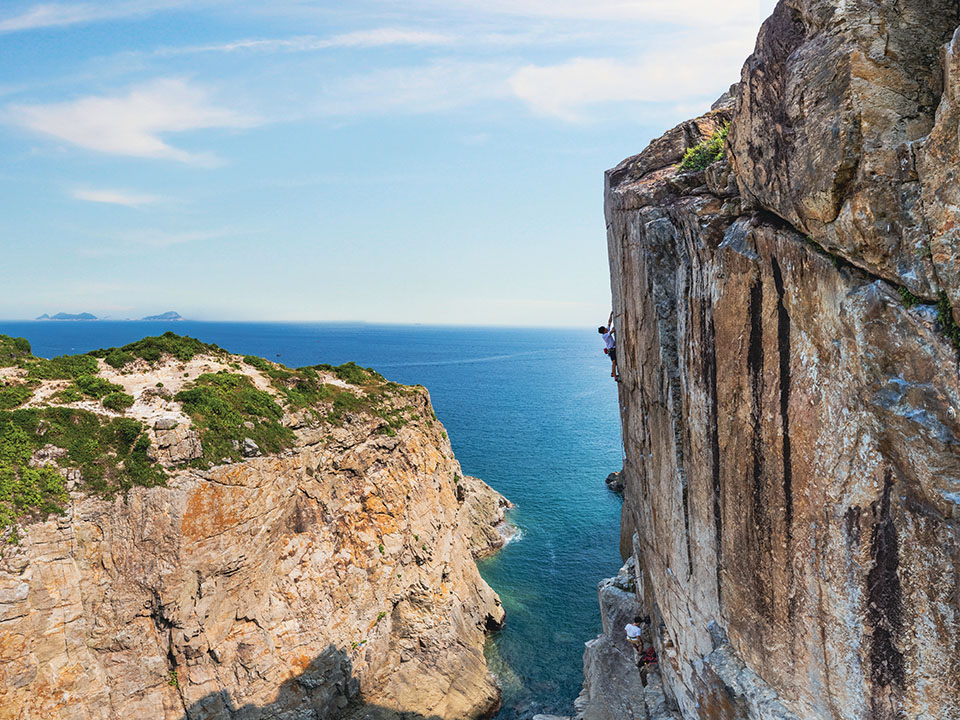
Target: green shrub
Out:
[219,404]
[110,454]
[258,363]
[13,351]
[117,358]
[12,396]
[90,386]
[351,373]
[117,401]
[181,347]
[62,367]
[707,152]
[909,299]
[945,317]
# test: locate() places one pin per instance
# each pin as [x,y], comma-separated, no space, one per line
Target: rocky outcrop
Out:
[613,686]
[333,579]
[789,386]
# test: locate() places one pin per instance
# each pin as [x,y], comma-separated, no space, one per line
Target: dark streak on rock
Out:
[851,523]
[783,344]
[686,527]
[761,524]
[710,372]
[885,611]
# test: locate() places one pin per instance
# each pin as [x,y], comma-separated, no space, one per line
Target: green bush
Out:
[117,358]
[181,347]
[909,299]
[90,386]
[219,404]
[62,367]
[110,454]
[945,317]
[13,351]
[257,362]
[351,373]
[706,152]
[117,401]
[12,396]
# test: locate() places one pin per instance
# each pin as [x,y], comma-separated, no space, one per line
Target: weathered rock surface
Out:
[833,107]
[335,579]
[792,473]
[612,684]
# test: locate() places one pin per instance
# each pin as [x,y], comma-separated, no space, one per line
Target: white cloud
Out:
[362,39]
[115,197]
[568,89]
[437,87]
[132,124]
[49,15]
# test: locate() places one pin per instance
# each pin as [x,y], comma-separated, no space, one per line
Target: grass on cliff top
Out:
[152,349]
[111,455]
[14,350]
[303,388]
[15,394]
[220,403]
[707,152]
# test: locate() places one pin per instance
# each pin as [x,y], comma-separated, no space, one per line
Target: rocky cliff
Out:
[789,360]
[234,539]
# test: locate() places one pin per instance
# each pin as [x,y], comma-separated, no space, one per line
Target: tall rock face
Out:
[790,390]
[332,579]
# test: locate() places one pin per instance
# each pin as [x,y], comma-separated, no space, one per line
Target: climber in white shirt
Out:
[610,343]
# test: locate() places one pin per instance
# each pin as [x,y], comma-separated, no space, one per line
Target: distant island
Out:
[169,315]
[68,316]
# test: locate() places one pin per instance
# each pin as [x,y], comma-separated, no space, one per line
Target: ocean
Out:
[533,412]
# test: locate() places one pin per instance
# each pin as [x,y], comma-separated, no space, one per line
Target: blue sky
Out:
[435,161]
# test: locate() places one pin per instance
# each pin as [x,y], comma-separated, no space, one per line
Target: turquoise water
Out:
[532,412]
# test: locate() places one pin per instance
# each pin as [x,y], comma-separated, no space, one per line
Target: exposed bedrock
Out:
[333,580]
[837,130]
[792,473]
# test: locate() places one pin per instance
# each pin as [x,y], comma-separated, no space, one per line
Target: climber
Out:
[635,634]
[610,348]
[647,658]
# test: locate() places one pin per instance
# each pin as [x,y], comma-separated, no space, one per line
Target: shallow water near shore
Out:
[532,412]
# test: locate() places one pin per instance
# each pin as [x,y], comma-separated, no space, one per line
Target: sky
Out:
[396,161]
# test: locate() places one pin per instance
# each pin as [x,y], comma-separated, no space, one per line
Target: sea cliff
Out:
[788,350]
[235,539]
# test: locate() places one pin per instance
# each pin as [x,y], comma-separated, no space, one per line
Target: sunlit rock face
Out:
[792,475]
[334,579]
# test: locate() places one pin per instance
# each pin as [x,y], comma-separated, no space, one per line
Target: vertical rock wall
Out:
[789,390]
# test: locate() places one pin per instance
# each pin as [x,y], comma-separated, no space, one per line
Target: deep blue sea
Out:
[532,412]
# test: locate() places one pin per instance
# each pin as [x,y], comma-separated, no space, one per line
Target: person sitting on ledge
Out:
[610,343]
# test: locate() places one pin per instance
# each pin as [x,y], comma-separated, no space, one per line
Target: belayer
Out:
[610,343]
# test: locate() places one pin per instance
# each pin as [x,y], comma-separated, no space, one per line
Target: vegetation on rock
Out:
[220,403]
[110,455]
[15,395]
[87,386]
[707,152]
[945,317]
[153,348]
